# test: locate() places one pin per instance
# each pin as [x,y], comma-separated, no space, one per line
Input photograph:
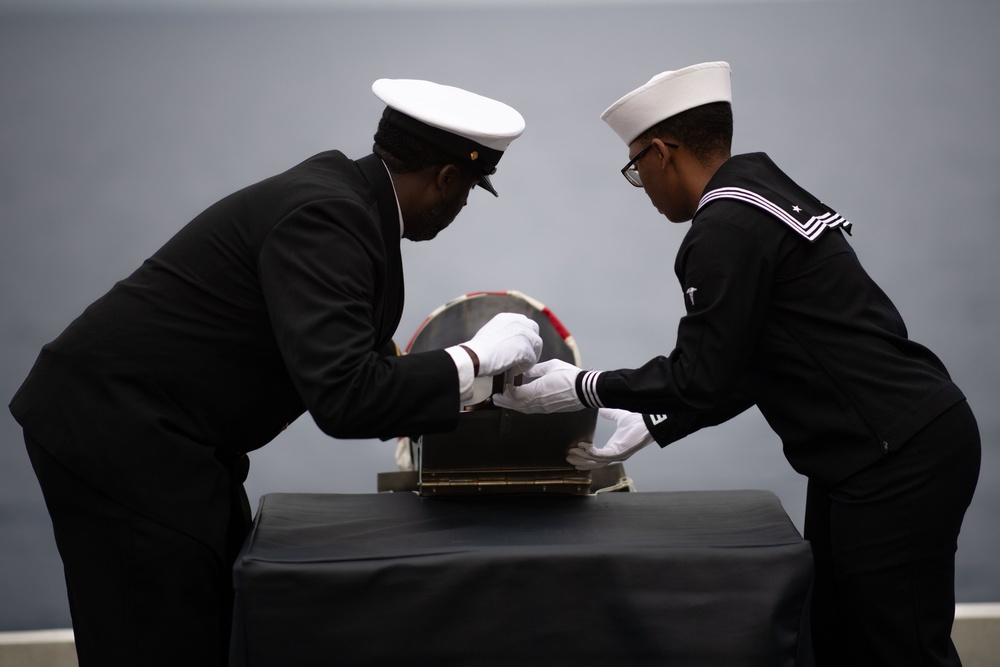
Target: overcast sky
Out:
[114,133]
[77,6]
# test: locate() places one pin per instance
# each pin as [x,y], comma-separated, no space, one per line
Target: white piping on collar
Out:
[810,229]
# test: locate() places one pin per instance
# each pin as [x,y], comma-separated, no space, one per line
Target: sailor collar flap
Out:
[755,179]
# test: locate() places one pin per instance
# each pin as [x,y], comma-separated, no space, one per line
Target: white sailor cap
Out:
[667,94]
[464,125]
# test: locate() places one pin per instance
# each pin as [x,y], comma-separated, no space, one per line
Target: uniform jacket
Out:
[281,298]
[781,314]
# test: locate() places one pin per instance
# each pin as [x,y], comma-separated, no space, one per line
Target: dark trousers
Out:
[884,543]
[140,592]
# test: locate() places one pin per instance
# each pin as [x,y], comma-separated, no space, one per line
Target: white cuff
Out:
[466,372]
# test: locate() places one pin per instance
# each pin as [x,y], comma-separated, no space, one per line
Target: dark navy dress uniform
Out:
[781,315]
[280,298]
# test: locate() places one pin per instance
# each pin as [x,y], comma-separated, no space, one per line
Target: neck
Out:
[409,187]
[700,174]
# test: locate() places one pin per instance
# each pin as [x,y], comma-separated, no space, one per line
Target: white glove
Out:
[630,436]
[549,387]
[507,342]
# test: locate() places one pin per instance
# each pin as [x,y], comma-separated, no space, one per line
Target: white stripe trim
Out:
[811,229]
[588,387]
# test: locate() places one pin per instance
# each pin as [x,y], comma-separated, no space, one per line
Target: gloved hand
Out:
[630,436]
[548,387]
[509,341]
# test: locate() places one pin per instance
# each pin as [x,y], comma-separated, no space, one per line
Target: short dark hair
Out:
[404,152]
[706,130]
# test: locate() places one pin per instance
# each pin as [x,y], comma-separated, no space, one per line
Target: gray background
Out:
[117,126]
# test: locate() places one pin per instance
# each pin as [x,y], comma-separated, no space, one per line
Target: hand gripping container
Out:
[495,450]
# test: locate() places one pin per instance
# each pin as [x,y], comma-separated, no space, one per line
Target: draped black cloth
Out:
[619,578]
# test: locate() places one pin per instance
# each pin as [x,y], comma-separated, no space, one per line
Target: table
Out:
[686,578]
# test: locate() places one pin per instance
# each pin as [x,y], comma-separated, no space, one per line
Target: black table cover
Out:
[680,578]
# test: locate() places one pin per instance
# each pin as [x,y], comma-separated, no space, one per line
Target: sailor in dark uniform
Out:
[781,315]
[278,299]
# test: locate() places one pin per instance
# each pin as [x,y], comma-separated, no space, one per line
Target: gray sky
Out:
[77,6]
[114,133]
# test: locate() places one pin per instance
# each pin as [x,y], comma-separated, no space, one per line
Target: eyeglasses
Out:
[631,171]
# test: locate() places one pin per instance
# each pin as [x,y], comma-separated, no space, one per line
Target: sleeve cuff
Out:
[667,430]
[466,376]
[586,389]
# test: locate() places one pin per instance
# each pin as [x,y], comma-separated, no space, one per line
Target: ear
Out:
[663,152]
[447,177]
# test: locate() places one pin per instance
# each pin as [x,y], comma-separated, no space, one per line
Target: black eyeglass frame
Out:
[630,168]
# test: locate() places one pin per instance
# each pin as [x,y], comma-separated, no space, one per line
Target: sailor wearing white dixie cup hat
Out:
[668,94]
[781,315]
[280,298]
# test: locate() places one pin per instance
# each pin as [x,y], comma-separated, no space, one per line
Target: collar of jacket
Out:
[377,175]
[754,179]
